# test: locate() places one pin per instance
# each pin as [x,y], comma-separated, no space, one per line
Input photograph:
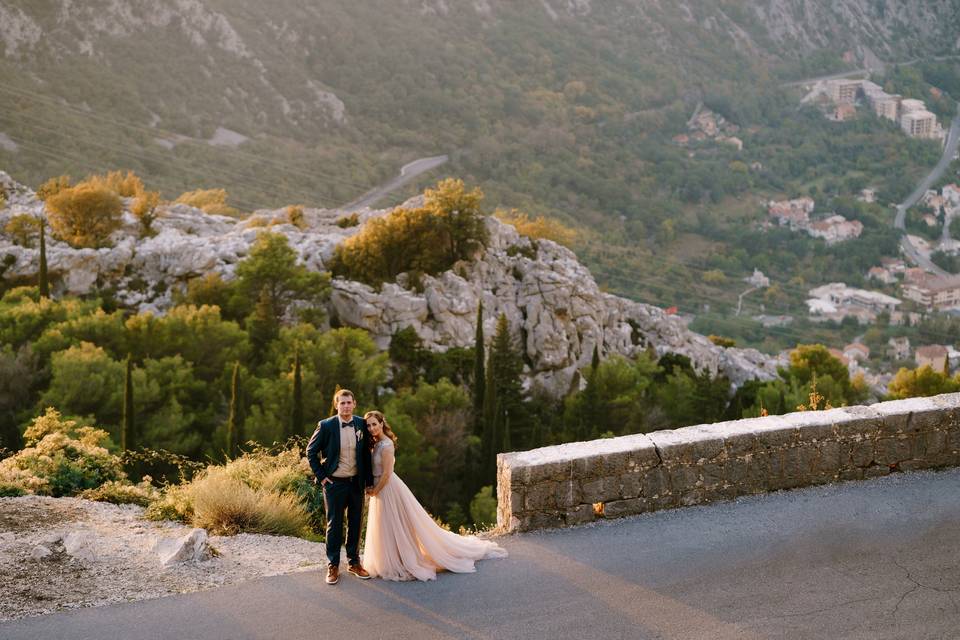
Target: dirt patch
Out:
[119,562]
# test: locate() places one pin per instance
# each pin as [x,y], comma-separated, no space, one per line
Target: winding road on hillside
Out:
[875,559]
[949,151]
[407,173]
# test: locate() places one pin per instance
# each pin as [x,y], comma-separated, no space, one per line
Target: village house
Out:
[857,351]
[951,194]
[836,301]
[933,356]
[881,275]
[835,229]
[899,318]
[933,292]
[899,348]
[792,213]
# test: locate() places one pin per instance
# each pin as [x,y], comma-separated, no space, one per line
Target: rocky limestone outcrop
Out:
[553,305]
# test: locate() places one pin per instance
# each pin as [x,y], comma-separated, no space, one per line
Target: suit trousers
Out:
[339,495]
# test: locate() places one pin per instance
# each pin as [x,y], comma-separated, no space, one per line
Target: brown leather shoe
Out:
[333,574]
[358,570]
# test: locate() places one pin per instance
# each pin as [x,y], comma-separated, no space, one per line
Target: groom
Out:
[339,454]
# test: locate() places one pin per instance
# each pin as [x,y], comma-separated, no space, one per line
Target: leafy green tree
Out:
[86,381]
[921,382]
[443,418]
[272,275]
[618,398]
[199,334]
[18,376]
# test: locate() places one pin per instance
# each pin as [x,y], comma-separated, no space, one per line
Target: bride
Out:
[403,542]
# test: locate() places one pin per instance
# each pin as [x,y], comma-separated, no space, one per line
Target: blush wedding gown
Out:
[404,543]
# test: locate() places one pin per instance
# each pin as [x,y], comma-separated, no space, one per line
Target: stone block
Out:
[620,508]
[736,472]
[739,444]
[695,496]
[816,432]
[828,458]
[777,438]
[913,465]
[568,493]
[631,484]
[551,471]
[713,474]
[516,504]
[541,497]
[851,474]
[656,482]
[588,468]
[934,441]
[615,464]
[683,478]
[892,450]
[546,520]
[857,454]
[579,515]
[876,470]
[643,458]
[599,490]
[706,448]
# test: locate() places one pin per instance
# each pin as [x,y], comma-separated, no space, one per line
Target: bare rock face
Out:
[550,300]
[553,306]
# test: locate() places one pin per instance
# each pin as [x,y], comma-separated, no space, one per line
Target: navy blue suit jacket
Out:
[323,450]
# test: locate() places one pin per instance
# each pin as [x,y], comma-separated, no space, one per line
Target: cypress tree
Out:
[127,433]
[503,398]
[44,282]
[479,374]
[296,419]
[233,436]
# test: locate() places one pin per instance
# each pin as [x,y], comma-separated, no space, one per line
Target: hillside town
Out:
[839,98]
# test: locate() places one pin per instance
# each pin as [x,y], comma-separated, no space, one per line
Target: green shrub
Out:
[23,228]
[119,492]
[60,459]
[258,492]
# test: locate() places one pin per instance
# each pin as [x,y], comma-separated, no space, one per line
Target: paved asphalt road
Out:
[874,559]
[408,172]
[949,150]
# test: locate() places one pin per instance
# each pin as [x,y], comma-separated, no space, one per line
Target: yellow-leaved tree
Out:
[213,201]
[85,215]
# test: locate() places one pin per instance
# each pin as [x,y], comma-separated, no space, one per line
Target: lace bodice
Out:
[378,449]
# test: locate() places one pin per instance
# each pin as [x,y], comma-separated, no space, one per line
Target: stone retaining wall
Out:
[580,482]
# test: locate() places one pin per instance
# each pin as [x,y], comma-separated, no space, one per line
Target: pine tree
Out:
[127,433]
[296,419]
[479,374]
[233,434]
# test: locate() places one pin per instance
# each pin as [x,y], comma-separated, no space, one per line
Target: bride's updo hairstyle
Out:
[387,431]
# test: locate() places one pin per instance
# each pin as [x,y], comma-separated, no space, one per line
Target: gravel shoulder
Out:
[114,560]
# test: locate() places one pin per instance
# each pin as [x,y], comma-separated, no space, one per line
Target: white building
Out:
[919,124]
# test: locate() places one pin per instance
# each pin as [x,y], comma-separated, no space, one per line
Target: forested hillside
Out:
[565,109]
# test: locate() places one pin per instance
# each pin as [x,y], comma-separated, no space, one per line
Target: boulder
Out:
[192,547]
[80,545]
